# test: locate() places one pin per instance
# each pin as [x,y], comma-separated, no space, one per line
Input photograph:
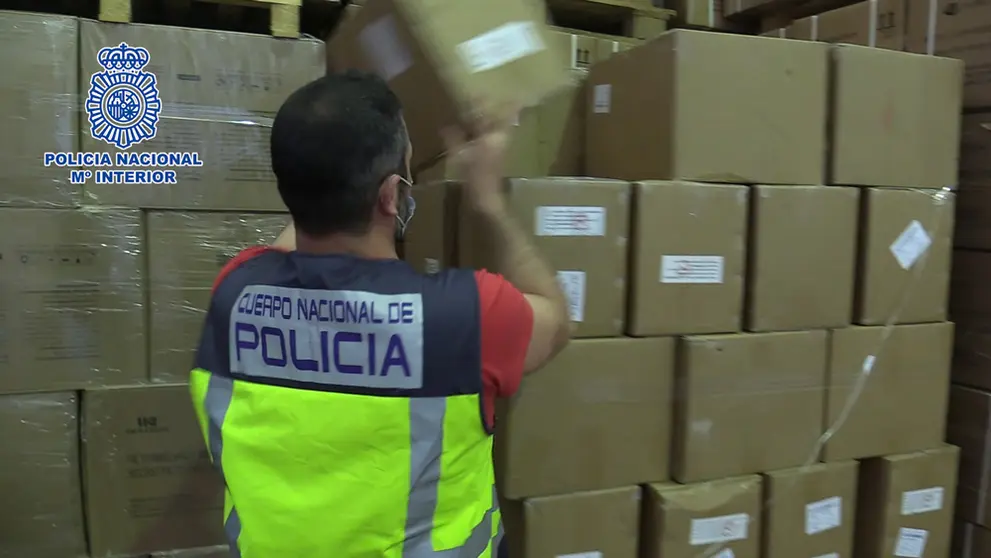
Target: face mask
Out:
[404,217]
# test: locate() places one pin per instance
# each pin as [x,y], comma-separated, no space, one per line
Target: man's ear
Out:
[388,199]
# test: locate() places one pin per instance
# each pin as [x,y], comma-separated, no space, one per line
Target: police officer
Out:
[346,399]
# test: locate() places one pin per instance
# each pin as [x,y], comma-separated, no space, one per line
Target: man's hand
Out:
[480,161]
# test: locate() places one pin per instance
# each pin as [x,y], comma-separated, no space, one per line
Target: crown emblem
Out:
[123,58]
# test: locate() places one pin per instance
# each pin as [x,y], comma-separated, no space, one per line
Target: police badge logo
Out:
[123,105]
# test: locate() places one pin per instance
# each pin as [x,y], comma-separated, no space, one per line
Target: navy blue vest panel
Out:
[347,325]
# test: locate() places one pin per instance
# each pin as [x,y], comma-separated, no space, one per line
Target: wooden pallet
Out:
[779,13]
[626,18]
[283,15]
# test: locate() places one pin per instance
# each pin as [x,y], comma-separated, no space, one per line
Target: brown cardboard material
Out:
[904,260]
[72,299]
[967,426]
[973,217]
[687,258]
[431,242]
[886,133]
[970,307]
[803,251]
[873,23]
[656,114]
[438,56]
[722,378]
[596,523]
[890,387]
[581,226]
[208,552]
[186,251]
[42,516]
[809,511]
[959,30]
[220,92]
[700,519]
[149,482]
[971,541]
[38,104]
[906,502]
[598,416]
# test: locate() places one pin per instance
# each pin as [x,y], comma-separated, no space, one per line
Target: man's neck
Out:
[368,246]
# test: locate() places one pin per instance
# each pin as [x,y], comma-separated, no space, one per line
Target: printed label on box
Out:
[823,515]
[380,41]
[573,285]
[911,245]
[830,555]
[922,501]
[720,529]
[911,543]
[502,45]
[692,269]
[593,554]
[602,98]
[570,221]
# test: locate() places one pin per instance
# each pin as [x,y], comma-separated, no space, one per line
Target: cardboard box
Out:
[73,306]
[186,252]
[970,308]
[810,511]
[803,251]
[38,106]
[581,226]
[971,541]
[431,242]
[698,519]
[887,134]
[654,114]
[722,379]
[596,523]
[42,515]
[220,92]
[905,504]
[573,428]
[904,260]
[887,389]
[699,14]
[687,258]
[438,57]
[973,217]
[967,425]
[149,482]
[958,30]
[873,23]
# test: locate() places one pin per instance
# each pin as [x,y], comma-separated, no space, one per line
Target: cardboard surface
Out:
[71,299]
[42,516]
[185,252]
[904,500]
[722,379]
[968,426]
[901,406]
[973,217]
[38,104]
[149,482]
[873,23]
[803,243]
[971,541]
[900,131]
[573,428]
[970,307]
[687,258]
[220,92]
[657,114]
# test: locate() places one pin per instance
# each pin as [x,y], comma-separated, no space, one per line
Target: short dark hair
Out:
[333,142]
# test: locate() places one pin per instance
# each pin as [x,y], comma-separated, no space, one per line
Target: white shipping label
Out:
[911,543]
[720,529]
[911,245]
[570,221]
[502,45]
[594,554]
[725,553]
[823,515]
[573,285]
[692,269]
[431,266]
[830,555]
[380,41]
[922,501]
[602,98]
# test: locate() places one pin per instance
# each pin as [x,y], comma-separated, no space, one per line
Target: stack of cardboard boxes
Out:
[758,283]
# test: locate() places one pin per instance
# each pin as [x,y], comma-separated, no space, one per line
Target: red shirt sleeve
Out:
[507,324]
[240,258]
